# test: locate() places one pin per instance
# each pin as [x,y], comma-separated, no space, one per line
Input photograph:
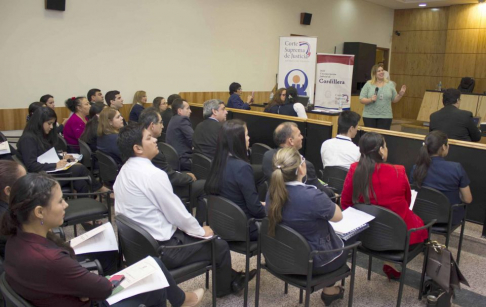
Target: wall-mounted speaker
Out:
[305,18]
[57,5]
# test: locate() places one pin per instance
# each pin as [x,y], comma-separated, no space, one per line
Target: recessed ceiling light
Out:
[435,9]
[425,4]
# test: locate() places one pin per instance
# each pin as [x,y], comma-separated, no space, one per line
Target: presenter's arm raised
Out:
[400,94]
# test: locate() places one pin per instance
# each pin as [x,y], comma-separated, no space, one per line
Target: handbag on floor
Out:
[436,296]
[443,269]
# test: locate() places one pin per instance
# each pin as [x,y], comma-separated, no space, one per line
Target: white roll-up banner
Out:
[297,64]
[334,75]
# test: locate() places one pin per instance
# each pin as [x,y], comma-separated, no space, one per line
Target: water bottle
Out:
[440,86]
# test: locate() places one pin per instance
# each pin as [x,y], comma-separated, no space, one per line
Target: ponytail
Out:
[432,146]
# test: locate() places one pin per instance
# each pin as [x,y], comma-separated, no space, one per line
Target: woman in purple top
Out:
[75,125]
[235,100]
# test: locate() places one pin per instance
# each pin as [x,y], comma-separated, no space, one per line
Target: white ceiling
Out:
[410,4]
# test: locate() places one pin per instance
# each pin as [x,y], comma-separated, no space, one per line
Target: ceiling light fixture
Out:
[425,4]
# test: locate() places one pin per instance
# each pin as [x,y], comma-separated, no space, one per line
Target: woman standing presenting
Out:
[377,96]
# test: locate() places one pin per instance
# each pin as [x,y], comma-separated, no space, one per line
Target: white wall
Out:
[165,46]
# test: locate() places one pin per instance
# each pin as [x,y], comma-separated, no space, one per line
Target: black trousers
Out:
[81,186]
[379,123]
[174,258]
[196,198]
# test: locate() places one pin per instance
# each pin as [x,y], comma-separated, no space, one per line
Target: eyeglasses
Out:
[302,162]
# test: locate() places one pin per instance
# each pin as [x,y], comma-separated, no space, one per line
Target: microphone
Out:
[376,92]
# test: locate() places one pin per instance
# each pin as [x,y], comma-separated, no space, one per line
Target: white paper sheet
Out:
[4,148]
[67,166]
[49,156]
[141,277]
[100,239]
[352,219]
[414,197]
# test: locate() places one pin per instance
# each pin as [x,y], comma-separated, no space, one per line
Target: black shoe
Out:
[238,284]
[328,299]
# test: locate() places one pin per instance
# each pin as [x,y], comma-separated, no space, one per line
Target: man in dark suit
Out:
[287,134]
[180,132]
[457,124]
[167,114]
[115,101]
[206,134]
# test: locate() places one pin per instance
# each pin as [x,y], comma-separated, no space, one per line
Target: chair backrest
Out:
[201,165]
[227,219]
[334,176]
[136,243]
[170,154]
[108,167]
[432,204]
[11,298]
[285,253]
[87,154]
[387,231]
[257,152]
[467,85]
[61,144]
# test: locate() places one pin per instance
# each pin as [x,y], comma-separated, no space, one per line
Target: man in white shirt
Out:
[144,194]
[341,151]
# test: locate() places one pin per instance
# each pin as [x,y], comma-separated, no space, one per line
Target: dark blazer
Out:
[179,135]
[166,117]
[205,137]
[457,124]
[135,113]
[267,165]
[107,144]
[176,178]
[29,148]
[238,185]
[285,109]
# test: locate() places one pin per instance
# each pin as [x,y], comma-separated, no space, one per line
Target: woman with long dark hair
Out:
[75,125]
[90,134]
[373,181]
[433,171]
[43,269]
[231,174]
[40,136]
[308,211]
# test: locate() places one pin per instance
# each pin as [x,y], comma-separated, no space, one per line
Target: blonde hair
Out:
[374,70]
[285,164]
[104,124]
[137,98]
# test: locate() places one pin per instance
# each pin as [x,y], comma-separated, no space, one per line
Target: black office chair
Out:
[108,168]
[11,298]
[334,176]
[171,155]
[431,204]
[257,152]
[136,243]
[228,221]
[61,144]
[83,208]
[388,239]
[288,257]
[88,158]
[201,165]
[467,85]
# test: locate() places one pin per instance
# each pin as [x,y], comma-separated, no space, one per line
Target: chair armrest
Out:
[352,246]
[88,194]
[72,178]
[459,205]
[161,248]
[92,266]
[423,227]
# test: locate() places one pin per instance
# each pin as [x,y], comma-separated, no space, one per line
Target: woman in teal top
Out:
[377,96]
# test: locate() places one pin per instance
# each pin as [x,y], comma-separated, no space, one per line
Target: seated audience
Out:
[115,101]
[433,171]
[43,269]
[160,212]
[13,151]
[75,125]
[456,123]
[33,107]
[308,211]
[287,134]
[235,101]
[278,105]
[95,95]
[206,134]
[110,123]
[40,136]
[388,188]
[48,101]
[182,182]
[341,151]
[90,134]
[231,174]
[167,114]
[160,104]
[179,134]
[139,99]
[291,100]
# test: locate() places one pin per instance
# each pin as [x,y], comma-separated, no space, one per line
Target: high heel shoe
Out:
[328,299]
[391,273]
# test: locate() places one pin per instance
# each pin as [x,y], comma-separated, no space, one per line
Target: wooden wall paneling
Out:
[410,107]
[465,16]
[481,40]
[469,103]
[13,119]
[459,65]
[424,64]
[399,62]
[482,108]
[402,20]
[417,85]
[450,82]
[480,87]
[357,107]
[462,41]
[428,41]
[429,104]
[400,44]
[480,69]
[428,19]
[397,108]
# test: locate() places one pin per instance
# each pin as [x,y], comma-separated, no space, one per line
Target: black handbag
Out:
[443,269]
[436,296]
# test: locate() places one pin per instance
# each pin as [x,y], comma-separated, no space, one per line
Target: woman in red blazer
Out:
[389,188]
